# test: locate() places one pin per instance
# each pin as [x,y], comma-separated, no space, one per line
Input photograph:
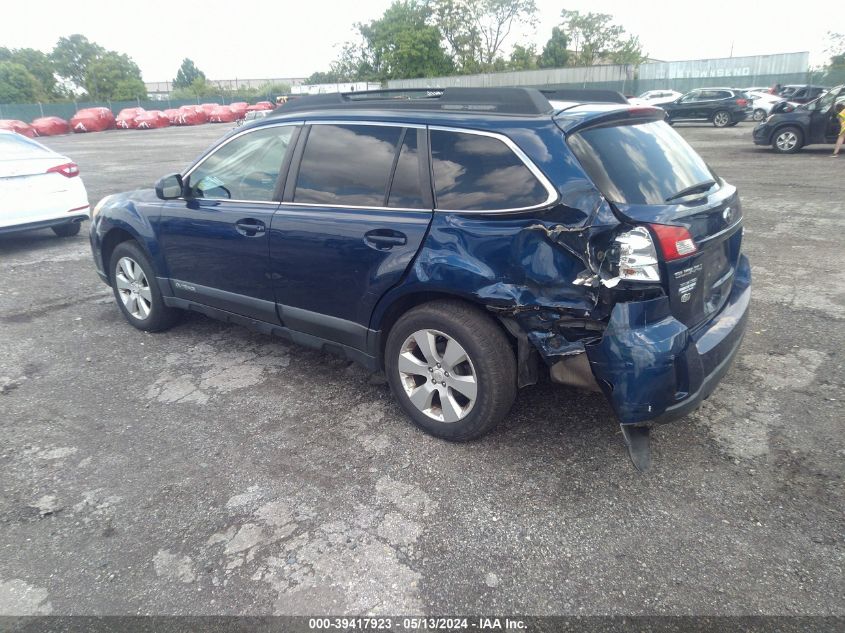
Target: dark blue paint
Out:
[202,245]
[323,263]
[648,361]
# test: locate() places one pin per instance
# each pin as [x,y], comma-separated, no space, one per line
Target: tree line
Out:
[78,68]
[75,64]
[425,38]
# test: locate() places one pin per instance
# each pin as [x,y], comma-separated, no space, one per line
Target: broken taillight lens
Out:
[637,256]
[675,241]
[68,170]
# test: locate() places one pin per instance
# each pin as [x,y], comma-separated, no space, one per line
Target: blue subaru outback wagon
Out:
[464,241]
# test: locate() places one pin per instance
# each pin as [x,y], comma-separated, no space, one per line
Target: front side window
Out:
[644,163]
[473,172]
[245,168]
[347,165]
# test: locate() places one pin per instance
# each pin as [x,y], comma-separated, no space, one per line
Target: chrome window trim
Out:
[415,126]
[551,198]
[354,206]
[211,153]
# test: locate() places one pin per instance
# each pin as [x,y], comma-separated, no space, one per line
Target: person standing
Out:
[840,114]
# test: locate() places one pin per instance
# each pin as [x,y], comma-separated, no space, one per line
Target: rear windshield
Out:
[644,163]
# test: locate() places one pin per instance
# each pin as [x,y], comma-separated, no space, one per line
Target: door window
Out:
[406,188]
[481,173]
[689,97]
[347,165]
[245,168]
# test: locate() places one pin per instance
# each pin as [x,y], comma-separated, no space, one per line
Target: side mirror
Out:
[170,187]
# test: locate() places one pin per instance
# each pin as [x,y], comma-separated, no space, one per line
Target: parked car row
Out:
[727,106]
[100,118]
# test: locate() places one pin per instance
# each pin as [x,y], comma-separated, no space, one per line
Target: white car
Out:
[762,103]
[251,116]
[655,97]
[39,188]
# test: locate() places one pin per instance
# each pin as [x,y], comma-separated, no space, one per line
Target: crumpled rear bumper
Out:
[652,368]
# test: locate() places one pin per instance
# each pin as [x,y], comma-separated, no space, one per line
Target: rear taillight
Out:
[675,241]
[742,102]
[637,257]
[68,170]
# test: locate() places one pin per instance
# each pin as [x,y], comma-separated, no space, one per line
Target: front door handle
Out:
[250,227]
[384,239]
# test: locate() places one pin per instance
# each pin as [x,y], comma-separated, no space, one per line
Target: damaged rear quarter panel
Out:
[520,265]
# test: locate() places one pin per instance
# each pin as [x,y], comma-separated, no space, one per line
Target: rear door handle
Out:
[250,227]
[384,239]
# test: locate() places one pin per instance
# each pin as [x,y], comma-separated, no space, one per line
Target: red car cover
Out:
[173,115]
[92,120]
[18,126]
[151,119]
[208,107]
[240,108]
[192,115]
[266,105]
[222,114]
[126,118]
[50,126]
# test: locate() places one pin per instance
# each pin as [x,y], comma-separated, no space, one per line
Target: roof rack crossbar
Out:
[514,101]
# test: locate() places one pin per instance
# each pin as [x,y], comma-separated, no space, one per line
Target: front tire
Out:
[136,290]
[759,114]
[452,369]
[67,230]
[787,140]
[722,118]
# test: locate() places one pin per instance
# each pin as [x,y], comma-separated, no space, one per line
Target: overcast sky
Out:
[264,39]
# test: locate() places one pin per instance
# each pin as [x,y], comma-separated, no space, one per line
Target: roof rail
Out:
[515,101]
[585,95]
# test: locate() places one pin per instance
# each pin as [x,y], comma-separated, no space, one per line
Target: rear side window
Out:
[480,173]
[347,165]
[645,163]
[406,188]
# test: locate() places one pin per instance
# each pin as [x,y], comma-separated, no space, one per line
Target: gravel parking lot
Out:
[211,470]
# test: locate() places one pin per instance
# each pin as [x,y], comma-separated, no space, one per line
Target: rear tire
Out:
[722,118]
[787,140]
[67,230]
[459,344]
[136,290]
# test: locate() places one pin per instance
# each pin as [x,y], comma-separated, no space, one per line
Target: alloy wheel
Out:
[438,375]
[786,141]
[721,119]
[133,288]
